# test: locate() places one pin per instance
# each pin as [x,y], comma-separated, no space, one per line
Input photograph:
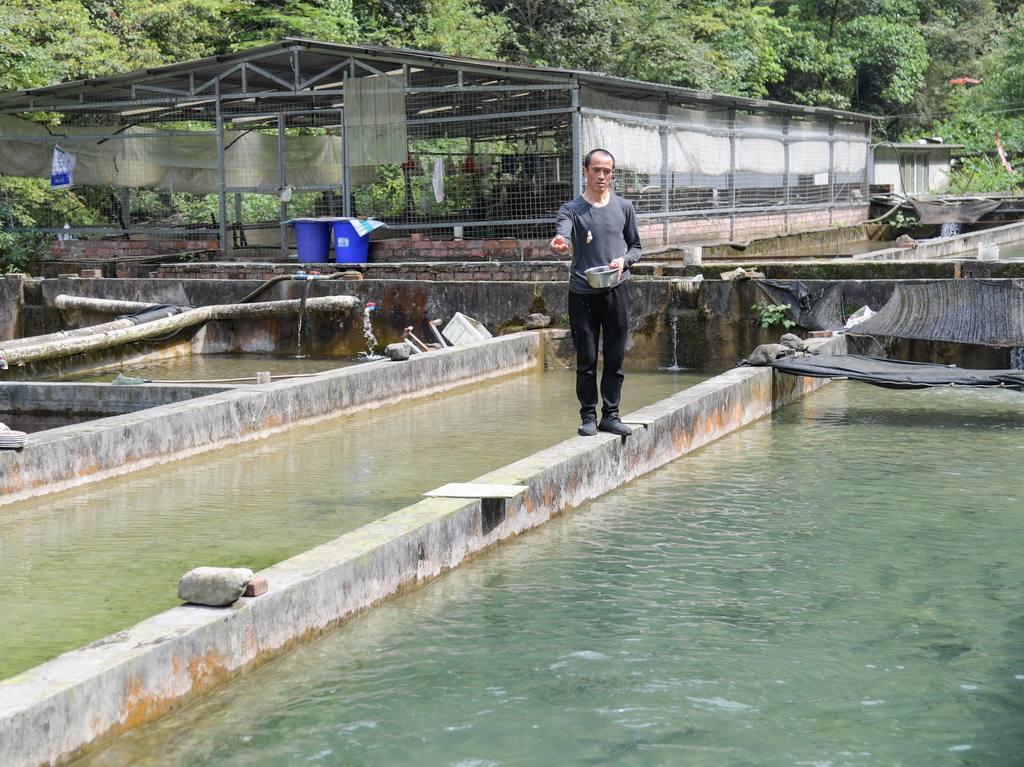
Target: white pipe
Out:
[107,339]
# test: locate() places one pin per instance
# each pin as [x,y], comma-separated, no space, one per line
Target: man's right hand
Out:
[559,245]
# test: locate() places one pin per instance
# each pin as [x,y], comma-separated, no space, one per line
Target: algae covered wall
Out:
[10,307]
[676,322]
[399,304]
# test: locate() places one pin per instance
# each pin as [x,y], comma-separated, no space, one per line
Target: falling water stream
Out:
[302,317]
[1017,358]
[674,340]
[369,335]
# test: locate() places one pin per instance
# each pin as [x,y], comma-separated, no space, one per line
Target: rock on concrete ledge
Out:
[214,586]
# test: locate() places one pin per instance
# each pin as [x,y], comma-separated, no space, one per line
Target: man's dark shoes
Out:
[588,428]
[613,425]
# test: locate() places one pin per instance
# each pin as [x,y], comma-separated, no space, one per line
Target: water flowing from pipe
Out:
[369,335]
[673,314]
[302,316]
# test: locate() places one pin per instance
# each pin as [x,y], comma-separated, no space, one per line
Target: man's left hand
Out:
[618,263]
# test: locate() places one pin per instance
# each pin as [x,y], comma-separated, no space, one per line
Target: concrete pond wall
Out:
[83,699]
[707,325]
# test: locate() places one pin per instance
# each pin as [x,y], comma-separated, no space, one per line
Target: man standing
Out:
[601,229]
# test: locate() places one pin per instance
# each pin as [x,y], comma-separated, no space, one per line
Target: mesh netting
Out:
[423,142]
[985,312]
[953,211]
[896,374]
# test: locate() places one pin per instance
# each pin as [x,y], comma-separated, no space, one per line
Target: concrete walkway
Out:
[82,699]
[949,247]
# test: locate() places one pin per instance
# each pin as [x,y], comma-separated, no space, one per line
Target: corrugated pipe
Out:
[296,276]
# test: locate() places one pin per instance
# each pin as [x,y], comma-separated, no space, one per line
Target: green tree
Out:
[750,41]
[42,43]
[460,28]
[154,33]
[958,34]
[976,114]
[48,41]
[258,22]
[1010,74]
[576,34]
[866,55]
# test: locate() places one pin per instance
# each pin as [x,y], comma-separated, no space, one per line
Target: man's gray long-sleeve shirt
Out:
[598,237]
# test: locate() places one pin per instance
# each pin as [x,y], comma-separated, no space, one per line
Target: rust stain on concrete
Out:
[138,708]
[203,672]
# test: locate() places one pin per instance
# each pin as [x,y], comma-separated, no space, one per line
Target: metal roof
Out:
[916,145]
[310,72]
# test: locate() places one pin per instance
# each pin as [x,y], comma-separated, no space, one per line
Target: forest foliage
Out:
[890,58]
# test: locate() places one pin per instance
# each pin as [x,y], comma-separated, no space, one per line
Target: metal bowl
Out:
[602,276]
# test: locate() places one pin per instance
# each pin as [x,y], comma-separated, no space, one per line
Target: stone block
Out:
[214,586]
[398,352]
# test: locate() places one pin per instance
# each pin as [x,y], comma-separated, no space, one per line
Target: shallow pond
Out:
[836,585]
[79,565]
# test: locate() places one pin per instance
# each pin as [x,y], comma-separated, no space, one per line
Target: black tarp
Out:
[985,312]
[818,310]
[896,374]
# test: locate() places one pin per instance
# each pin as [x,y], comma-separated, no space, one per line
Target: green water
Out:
[220,367]
[79,565]
[1010,250]
[838,585]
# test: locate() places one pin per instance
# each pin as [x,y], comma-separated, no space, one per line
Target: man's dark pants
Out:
[600,318]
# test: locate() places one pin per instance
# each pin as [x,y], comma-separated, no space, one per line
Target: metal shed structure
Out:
[912,169]
[233,146]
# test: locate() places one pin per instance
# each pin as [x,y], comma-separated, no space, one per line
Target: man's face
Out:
[599,174]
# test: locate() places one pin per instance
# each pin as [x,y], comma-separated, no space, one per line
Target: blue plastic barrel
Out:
[350,247]
[313,241]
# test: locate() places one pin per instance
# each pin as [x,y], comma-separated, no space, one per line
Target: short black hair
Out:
[592,152]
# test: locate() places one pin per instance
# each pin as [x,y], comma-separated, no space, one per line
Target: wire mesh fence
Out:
[440,149]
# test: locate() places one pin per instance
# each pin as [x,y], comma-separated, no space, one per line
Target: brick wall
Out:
[392,251]
[436,271]
[653,234]
[112,249]
[423,259]
[746,228]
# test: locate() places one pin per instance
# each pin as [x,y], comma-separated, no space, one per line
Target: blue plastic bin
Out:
[350,247]
[312,240]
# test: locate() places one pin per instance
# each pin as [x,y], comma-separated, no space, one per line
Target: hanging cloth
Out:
[439,180]
[62,169]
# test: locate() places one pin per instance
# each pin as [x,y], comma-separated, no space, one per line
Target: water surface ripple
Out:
[838,585]
[79,565]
